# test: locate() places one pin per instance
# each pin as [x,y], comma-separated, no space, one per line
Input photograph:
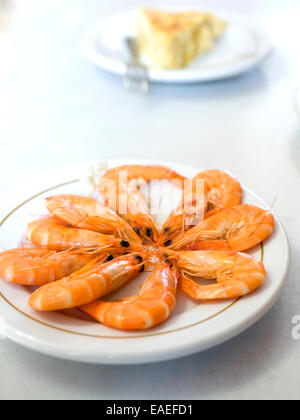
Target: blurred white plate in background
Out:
[193,326]
[241,48]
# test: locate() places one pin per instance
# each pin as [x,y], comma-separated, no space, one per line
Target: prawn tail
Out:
[188,286]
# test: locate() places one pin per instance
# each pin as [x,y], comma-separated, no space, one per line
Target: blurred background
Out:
[57,109]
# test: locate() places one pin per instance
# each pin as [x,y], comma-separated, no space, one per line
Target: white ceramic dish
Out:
[193,327]
[240,49]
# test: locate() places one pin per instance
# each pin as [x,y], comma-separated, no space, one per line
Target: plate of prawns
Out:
[131,262]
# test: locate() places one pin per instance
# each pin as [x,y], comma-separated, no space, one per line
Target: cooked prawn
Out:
[36,267]
[220,190]
[223,190]
[53,234]
[237,274]
[89,214]
[152,307]
[88,284]
[238,229]
[121,190]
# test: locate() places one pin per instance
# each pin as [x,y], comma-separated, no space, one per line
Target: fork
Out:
[136,76]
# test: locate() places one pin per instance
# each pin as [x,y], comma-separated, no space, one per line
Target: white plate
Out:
[193,327]
[241,48]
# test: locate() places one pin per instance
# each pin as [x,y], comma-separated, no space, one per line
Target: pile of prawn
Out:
[84,250]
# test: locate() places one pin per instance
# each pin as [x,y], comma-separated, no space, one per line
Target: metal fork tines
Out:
[136,77]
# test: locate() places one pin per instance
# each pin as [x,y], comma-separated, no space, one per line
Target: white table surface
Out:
[57,109]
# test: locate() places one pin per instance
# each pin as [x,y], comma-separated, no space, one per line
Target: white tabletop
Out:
[57,109]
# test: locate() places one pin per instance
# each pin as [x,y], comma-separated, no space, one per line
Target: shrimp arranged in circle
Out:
[237,274]
[219,190]
[89,214]
[238,229]
[53,234]
[92,282]
[36,267]
[88,250]
[121,189]
[152,307]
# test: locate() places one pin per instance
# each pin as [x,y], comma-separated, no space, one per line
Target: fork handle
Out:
[133,50]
